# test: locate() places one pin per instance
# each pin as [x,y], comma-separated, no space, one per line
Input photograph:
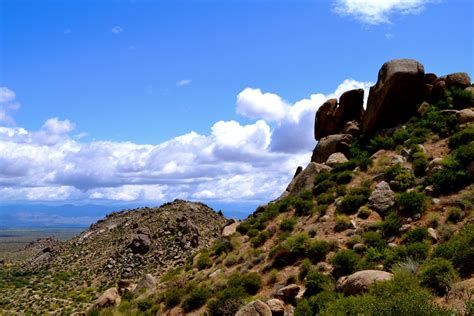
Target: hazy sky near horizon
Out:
[106,101]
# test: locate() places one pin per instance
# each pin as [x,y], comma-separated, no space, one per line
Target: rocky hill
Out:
[123,246]
[380,222]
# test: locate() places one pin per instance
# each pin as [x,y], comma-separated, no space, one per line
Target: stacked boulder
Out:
[402,90]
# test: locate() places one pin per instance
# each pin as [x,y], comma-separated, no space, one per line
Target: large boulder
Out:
[124,286]
[276,306]
[331,119]
[359,282]
[255,308]
[351,107]
[147,283]
[140,244]
[395,96]
[110,297]
[331,144]
[465,116]
[382,198]
[288,293]
[459,79]
[230,229]
[305,179]
[335,159]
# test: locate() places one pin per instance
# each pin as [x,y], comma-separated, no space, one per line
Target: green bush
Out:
[204,261]
[364,212]
[461,98]
[391,225]
[411,203]
[303,309]
[227,302]
[403,178]
[316,282]
[420,163]
[459,250]
[449,180]
[288,224]
[454,214]
[288,252]
[303,207]
[342,223]
[354,199]
[144,305]
[462,137]
[260,239]
[316,250]
[374,239]
[464,154]
[381,142]
[223,246]
[417,234]
[438,274]
[344,177]
[196,298]
[344,262]
[418,250]
[251,282]
[325,198]
[173,297]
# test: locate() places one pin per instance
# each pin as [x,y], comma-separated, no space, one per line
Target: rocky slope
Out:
[124,245]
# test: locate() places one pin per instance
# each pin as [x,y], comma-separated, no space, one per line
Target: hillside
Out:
[380,222]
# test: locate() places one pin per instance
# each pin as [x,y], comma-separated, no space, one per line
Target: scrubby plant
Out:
[203,261]
[454,214]
[303,207]
[374,239]
[459,250]
[438,274]
[260,239]
[411,203]
[251,282]
[417,234]
[463,137]
[461,97]
[464,154]
[364,212]
[380,142]
[451,178]
[391,225]
[316,250]
[325,198]
[418,250]
[223,245]
[173,296]
[226,302]
[288,224]
[342,223]
[354,199]
[316,282]
[230,260]
[344,262]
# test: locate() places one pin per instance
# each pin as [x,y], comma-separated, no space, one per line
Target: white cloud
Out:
[378,11]
[254,104]
[117,30]
[183,82]
[234,162]
[8,105]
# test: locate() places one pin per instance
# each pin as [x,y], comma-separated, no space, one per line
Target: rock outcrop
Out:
[395,96]
[304,180]
[331,144]
[255,308]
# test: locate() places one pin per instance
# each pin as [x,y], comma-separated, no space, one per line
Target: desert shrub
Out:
[223,246]
[402,177]
[342,223]
[374,239]
[392,171]
[325,198]
[324,186]
[461,97]
[260,239]
[451,178]
[418,250]
[419,165]
[391,225]
[454,214]
[230,260]
[344,262]
[144,304]
[438,274]
[463,137]
[227,302]
[196,298]
[204,261]
[303,207]
[343,177]
[359,155]
[411,203]
[380,142]
[459,250]
[288,224]
[288,252]
[316,250]
[251,282]
[464,154]
[173,297]
[312,232]
[321,209]
[443,124]
[354,199]
[417,234]
[281,257]
[303,309]
[364,212]
[316,282]
[305,267]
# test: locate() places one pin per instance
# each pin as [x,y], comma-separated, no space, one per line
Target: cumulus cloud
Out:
[8,105]
[254,104]
[378,11]
[116,30]
[183,82]
[234,162]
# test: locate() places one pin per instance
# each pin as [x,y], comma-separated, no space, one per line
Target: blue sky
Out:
[94,93]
